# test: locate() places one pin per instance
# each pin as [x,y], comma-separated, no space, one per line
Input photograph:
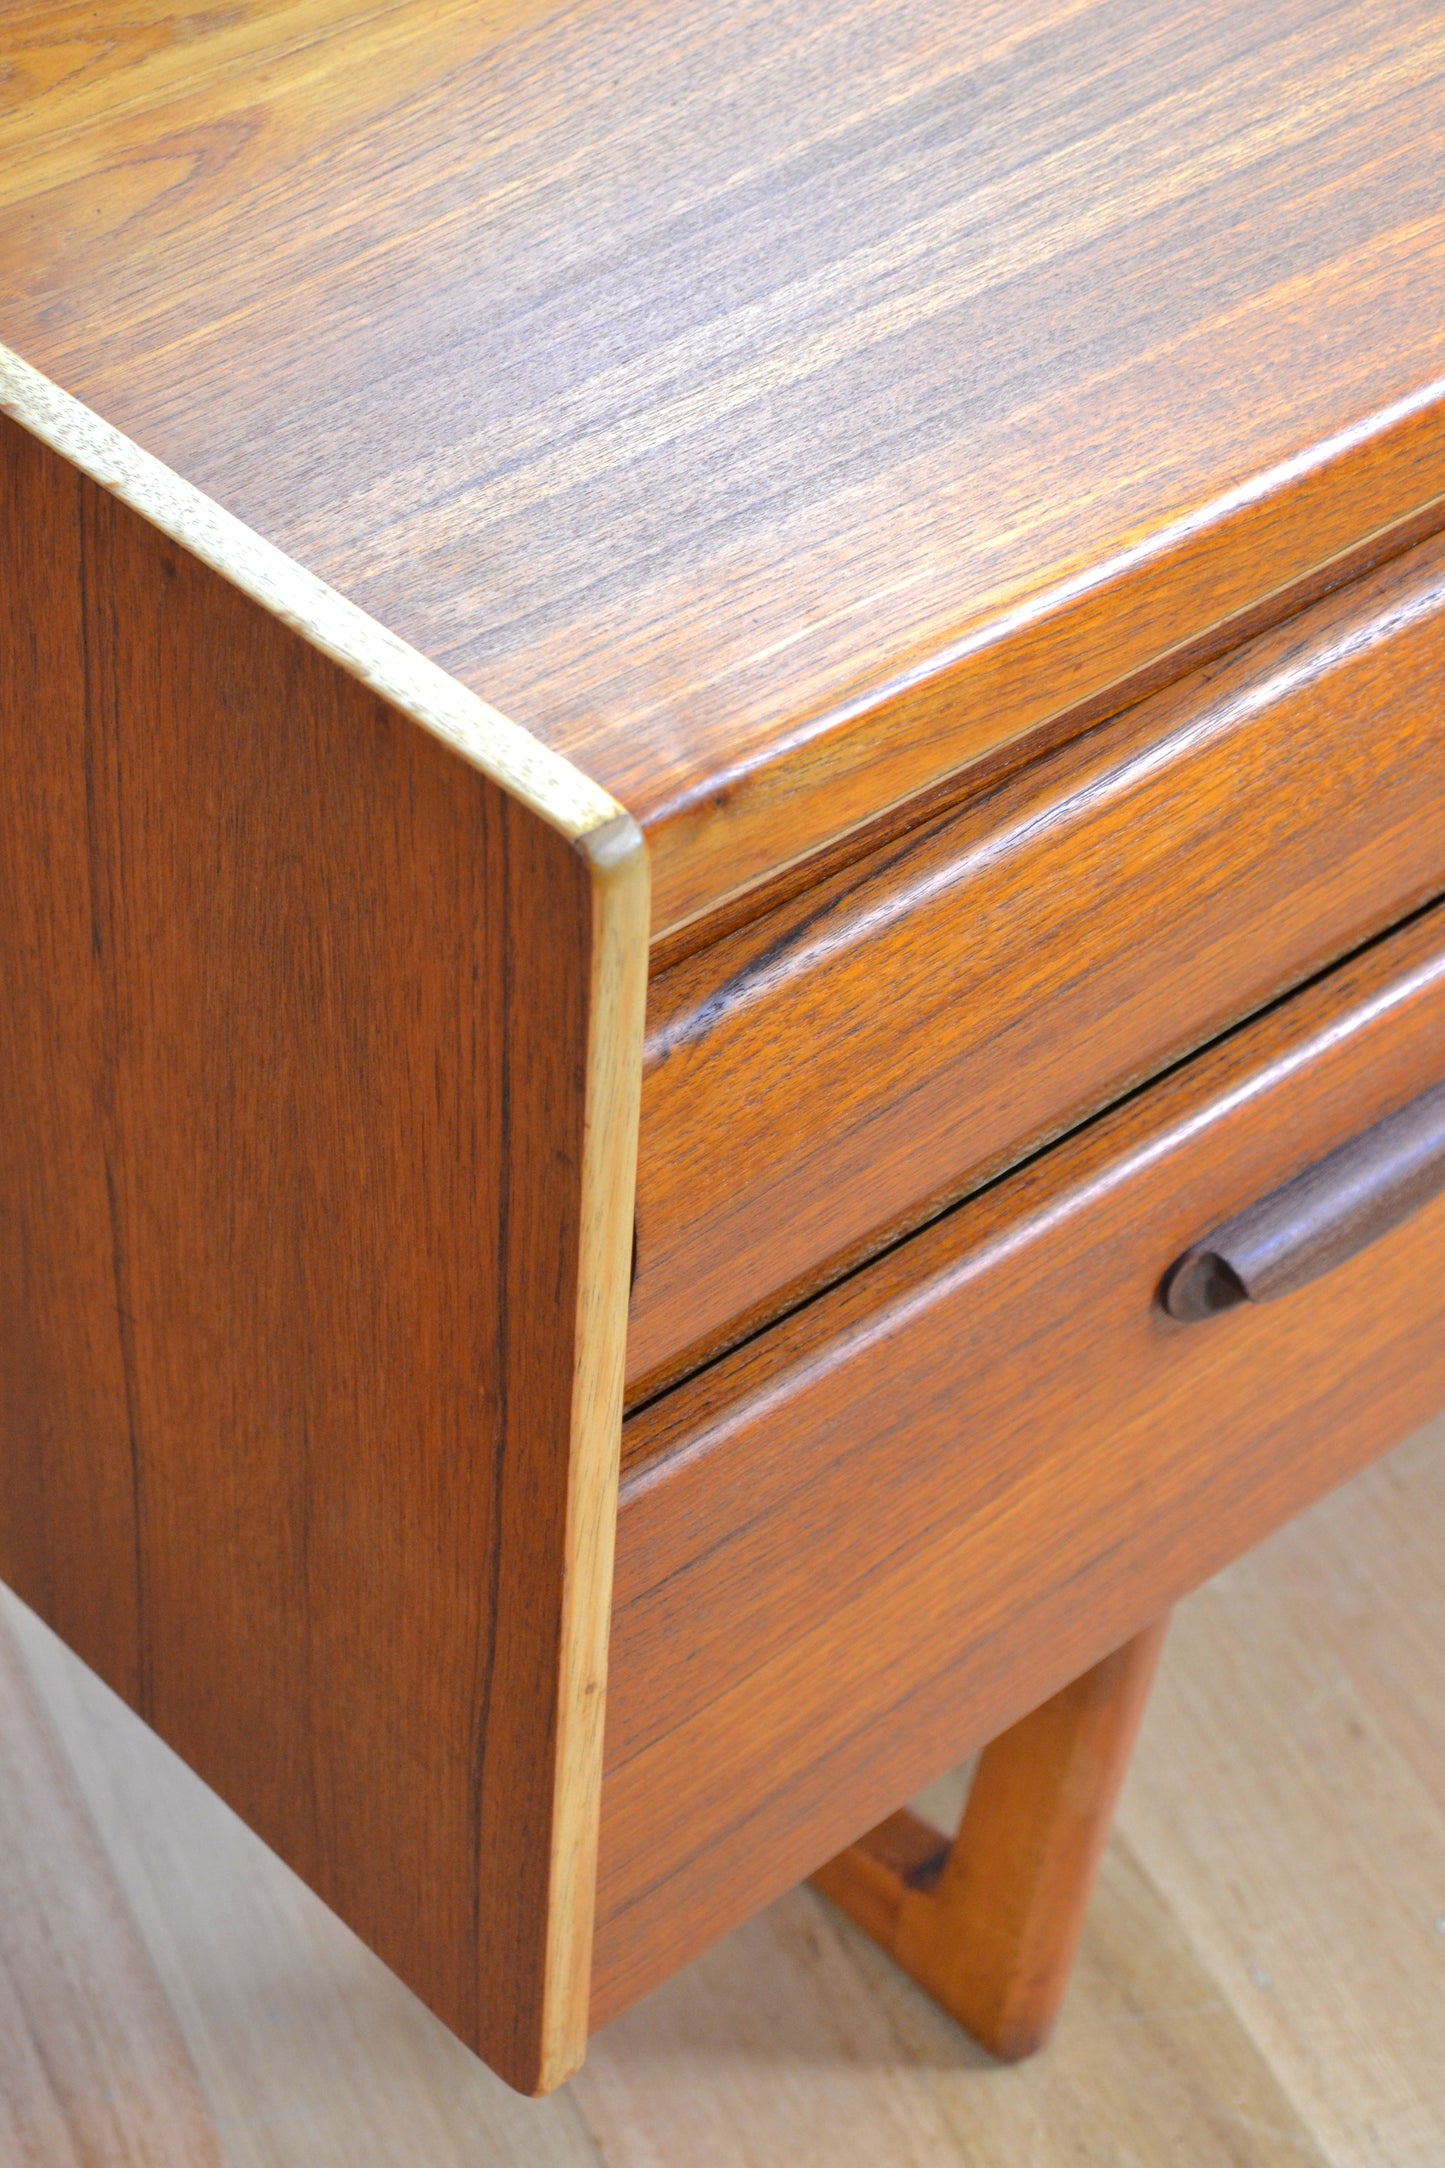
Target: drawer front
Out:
[855,1549]
[842,1069]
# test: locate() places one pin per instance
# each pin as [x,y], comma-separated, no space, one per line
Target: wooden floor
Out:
[1262,1980]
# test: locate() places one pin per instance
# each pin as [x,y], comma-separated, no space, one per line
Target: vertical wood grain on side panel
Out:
[315,1182]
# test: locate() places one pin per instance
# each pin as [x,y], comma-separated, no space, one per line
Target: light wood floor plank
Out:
[92,2066]
[1300,1845]
[1366,1574]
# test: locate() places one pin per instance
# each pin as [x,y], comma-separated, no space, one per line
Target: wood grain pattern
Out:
[775,410]
[874,1538]
[320,1049]
[855,1060]
[988,1924]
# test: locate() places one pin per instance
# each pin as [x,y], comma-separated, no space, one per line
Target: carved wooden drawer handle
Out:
[1314,1222]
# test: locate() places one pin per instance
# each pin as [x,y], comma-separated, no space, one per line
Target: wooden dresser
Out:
[737,714]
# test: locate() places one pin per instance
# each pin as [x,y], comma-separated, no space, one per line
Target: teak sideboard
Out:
[722,918]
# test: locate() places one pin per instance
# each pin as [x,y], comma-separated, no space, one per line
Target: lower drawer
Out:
[879,1533]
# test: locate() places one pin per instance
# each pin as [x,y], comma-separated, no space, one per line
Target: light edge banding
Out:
[504,751]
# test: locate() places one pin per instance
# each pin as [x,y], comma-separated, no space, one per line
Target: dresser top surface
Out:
[697,384]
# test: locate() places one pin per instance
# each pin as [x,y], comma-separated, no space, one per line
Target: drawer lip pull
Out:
[1318,1219]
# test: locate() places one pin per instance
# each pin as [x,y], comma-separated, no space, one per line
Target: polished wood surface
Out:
[878,1535]
[989,1923]
[782,425]
[319,1048]
[777,410]
[1258,1984]
[843,1067]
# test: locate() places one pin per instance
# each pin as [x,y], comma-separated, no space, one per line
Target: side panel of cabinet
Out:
[318,1050]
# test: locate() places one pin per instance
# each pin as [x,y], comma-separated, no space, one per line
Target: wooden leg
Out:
[988,1924]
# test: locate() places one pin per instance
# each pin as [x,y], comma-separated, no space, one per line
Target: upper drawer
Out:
[836,1071]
